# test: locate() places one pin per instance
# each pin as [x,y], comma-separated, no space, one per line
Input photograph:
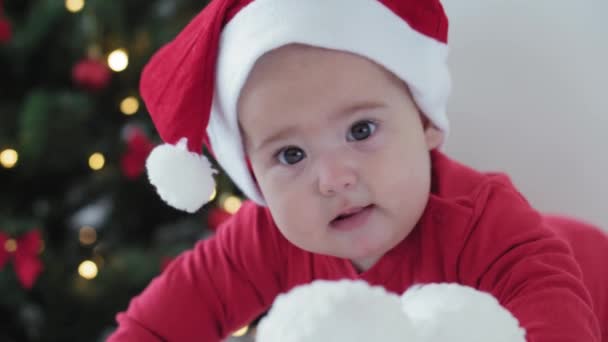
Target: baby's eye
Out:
[361,130]
[290,155]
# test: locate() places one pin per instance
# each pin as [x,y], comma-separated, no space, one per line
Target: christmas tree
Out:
[81,229]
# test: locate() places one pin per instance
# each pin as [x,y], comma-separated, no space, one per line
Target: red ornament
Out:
[133,162]
[6,32]
[24,253]
[91,74]
[216,217]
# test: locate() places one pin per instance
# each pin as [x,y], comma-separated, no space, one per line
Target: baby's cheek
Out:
[374,144]
[284,204]
[269,186]
[280,176]
[295,225]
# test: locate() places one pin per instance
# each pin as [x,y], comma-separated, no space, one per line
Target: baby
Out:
[329,115]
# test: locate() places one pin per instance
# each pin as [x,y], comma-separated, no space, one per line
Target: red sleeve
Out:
[212,290]
[511,254]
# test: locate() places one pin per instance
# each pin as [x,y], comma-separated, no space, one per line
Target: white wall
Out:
[531,98]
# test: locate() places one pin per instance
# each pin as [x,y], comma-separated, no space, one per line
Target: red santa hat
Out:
[192,84]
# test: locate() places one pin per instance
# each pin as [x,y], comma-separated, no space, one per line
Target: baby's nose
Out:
[335,175]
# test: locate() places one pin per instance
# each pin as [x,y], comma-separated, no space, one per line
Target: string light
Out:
[231,204]
[97,161]
[118,60]
[8,158]
[241,332]
[129,105]
[74,6]
[213,195]
[87,235]
[10,245]
[87,269]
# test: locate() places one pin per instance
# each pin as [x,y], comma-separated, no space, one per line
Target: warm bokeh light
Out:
[8,158]
[97,161]
[10,245]
[129,105]
[74,5]
[213,195]
[87,269]
[118,60]
[241,332]
[87,235]
[232,204]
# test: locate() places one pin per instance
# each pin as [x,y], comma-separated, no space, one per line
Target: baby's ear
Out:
[434,137]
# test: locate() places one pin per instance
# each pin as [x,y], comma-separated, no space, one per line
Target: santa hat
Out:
[192,84]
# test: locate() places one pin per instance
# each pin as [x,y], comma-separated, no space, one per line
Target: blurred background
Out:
[530,98]
[81,230]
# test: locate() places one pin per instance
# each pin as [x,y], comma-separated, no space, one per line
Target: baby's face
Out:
[330,134]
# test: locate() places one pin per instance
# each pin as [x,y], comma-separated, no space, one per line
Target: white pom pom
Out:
[336,311]
[452,312]
[182,178]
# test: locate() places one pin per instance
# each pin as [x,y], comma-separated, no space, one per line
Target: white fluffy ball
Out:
[182,178]
[335,311]
[452,312]
[354,311]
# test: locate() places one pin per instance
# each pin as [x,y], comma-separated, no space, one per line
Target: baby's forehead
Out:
[299,81]
[291,69]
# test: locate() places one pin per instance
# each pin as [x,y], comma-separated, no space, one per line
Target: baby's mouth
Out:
[349,213]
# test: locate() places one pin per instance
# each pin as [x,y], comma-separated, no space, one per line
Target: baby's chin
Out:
[365,256]
[363,245]
[362,258]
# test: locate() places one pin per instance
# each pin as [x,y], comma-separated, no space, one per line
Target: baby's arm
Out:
[212,290]
[513,255]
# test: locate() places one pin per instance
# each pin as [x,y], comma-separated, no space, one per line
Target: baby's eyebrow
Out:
[281,134]
[354,108]
[340,113]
